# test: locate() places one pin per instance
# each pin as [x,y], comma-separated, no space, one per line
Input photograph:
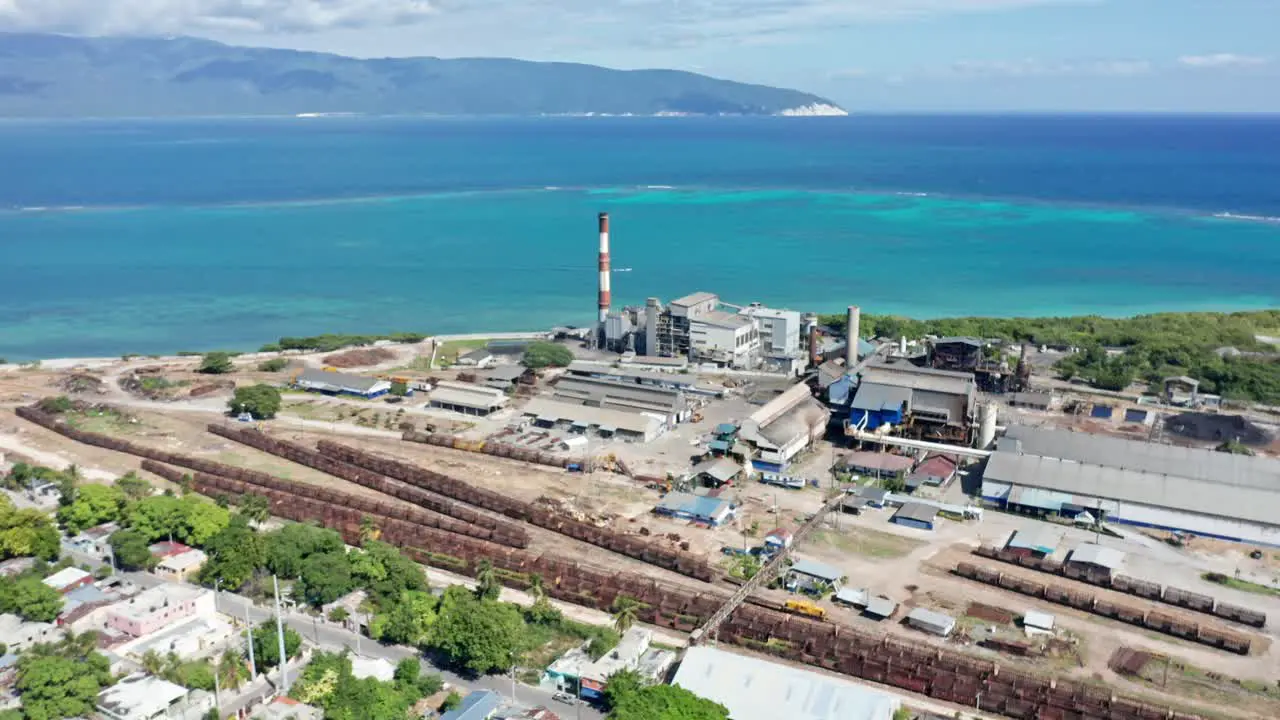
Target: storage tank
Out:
[986,426]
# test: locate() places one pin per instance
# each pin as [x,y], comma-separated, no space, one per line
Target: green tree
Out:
[287,547]
[339,614]
[234,554]
[131,550]
[30,599]
[399,388]
[133,487]
[386,572]
[255,508]
[273,365]
[68,485]
[152,662]
[26,533]
[409,621]
[323,578]
[478,635]
[53,685]
[266,647]
[629,699]
[902,713]
[216,363]
[625,610]
[487,585]
[93,505]
[232,670]
[157,518]
[541,354]
[260,401]
[201,520]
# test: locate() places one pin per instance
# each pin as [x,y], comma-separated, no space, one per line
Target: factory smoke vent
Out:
[851,352]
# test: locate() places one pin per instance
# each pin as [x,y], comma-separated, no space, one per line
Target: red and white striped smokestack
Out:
[604,267]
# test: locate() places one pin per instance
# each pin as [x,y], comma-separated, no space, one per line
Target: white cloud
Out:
[1030,67]
[1222,60]
[108,17]
[652,22]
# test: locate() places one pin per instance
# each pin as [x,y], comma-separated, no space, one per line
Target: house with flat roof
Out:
[178,564]
[145,697]
[478,705]
[93,541]
[18,634]
[753,688]
[68,579]
[286,708]
[159,607]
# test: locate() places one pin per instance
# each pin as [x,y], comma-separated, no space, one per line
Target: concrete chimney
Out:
[851,353]
[651,326]
[604,269]
[811,335]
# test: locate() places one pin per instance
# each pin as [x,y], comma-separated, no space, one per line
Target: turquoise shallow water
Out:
[197,273]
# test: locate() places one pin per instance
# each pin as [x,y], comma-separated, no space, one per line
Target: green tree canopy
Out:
[328,682]
[216,363]
[30,599]
[287,547]
[323,578]
[266,646]
[408,621]
[260,401]
[55,685]
[386,572]
[131,550]
[156,518]
[479,635]
[26,533]
[133,487]
[628,698]
[93,505]
[235,552]
[273,365]
[541,354]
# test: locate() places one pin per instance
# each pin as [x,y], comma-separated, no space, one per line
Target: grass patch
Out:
[103,420]
[1242,585]
[868,543]
[449,351]
[1179,678]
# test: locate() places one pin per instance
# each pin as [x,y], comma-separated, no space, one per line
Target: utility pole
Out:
[217,690]
[284,671]
[248,640]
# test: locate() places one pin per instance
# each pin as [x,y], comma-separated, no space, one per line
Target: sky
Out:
[866,55]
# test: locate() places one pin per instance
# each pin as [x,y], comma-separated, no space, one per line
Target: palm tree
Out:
[487,586]
[256,508]
[625,610]
[172,665]
[231,669]
[536,588]
[79,645]
[152,662]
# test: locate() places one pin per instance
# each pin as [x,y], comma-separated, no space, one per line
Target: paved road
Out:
[327,637]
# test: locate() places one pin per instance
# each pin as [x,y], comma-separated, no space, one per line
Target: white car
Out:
[565,697]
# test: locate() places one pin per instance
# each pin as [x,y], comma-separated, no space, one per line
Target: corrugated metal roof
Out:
[619,419]
[881,606]
[1228,500]
[817,569]
[851,596]
[918,512]
[1044,539]
[887,462]
[1098,555]
[702,506]
[925,616]
[877,397]
[1040,498]
[905,374]
[337,381]
[694,299]
[756,689]
[476,396]
[723,319]
[722,469]
[1194,463]
[1037,619]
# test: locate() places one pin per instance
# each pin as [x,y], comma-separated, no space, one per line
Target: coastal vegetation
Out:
[273,365]
[541,354]
[261,401]
[330,342]
[1221,350]
[216,363]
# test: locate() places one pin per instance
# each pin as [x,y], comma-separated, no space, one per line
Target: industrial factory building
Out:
[1197,491]
[757,689]
[605,422]
[669,404]
[467,399]
[685,382]
[337,383]
[785,426]
[926,403]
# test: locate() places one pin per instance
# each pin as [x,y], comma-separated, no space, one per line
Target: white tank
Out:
[986,426]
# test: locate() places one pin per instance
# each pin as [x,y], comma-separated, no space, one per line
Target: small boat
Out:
[623,270]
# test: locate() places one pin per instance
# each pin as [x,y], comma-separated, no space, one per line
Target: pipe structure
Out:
[604,269]
[917,444]
[851,353]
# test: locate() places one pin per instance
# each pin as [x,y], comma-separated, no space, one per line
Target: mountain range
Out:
[45,75]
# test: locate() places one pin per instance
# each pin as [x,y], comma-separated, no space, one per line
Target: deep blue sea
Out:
[158,236]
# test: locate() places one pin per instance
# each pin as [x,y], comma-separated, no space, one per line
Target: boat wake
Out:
[1248,218]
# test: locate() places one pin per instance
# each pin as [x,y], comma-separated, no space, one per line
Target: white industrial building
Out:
[755,689]
[783,339]
[725,339]
[339,383]
[145,697]
[784,427]
[606,422]
[466,398]
[668,403]
[1198,491]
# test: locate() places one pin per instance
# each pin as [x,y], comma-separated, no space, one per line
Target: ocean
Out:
[151,236]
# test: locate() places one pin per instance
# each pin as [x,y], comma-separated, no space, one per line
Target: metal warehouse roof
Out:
[817,569]
[510,373]
[723,319]
[1037,619]
[702,506]
[722,469]
[903,374]
[473,396]
[877,397]
[917,511]
[694,299]
[1097,555]
[924,616]
[597,391]
[756,689]
[1168,491]
[336,381]
[887,462]
[602,417]
[1042,539]
[1194,463]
